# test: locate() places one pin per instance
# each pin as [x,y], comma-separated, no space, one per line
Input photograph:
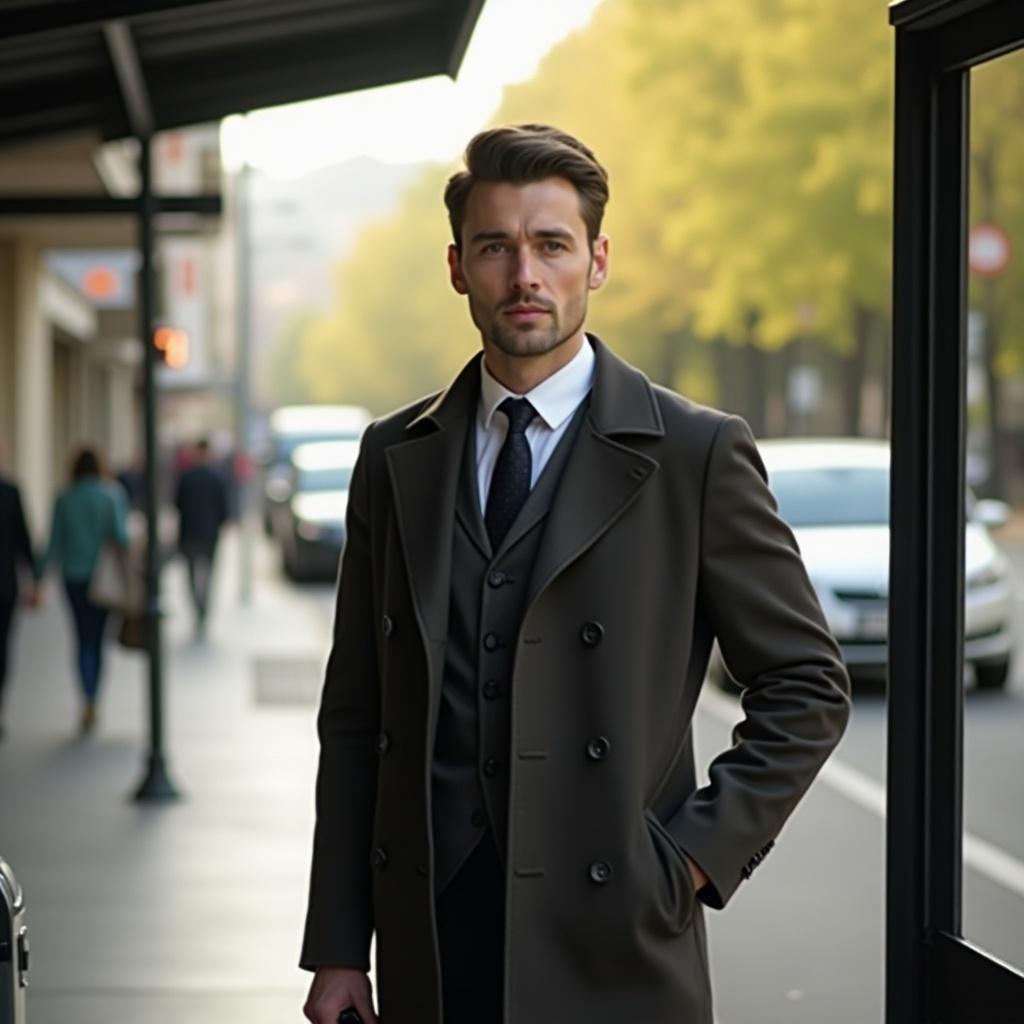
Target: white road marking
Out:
[981,856]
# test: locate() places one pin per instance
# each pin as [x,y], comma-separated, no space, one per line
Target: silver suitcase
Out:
[13,948]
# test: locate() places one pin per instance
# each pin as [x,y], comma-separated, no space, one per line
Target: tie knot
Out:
[519,413]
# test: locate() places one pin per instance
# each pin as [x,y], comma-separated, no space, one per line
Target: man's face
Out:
[525,264]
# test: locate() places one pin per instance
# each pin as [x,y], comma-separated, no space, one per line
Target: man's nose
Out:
[524,277]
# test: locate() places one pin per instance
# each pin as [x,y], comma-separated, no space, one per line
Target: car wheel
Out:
[992,675]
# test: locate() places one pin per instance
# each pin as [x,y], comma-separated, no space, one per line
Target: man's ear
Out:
[598,262]
[455,270]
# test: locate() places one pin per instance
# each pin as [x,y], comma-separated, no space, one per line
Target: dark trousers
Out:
[471,935]
[6,620]
[90,621]
[199,559]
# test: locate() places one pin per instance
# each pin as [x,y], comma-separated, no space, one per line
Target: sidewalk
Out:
[191,911]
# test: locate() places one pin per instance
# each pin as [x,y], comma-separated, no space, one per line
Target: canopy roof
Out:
[134,67]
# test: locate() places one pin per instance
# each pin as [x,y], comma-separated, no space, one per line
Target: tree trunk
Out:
[855,369]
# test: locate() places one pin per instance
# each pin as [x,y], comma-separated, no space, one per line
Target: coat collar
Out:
[622,400]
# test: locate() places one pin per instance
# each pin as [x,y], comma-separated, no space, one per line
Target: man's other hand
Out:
[335,989]
[698,876]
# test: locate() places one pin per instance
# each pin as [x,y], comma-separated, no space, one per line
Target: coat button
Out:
[491,767]
[491,689]
[379,857]
[387,625]
[597,748]
[492,642]
[591,633]
[600,871]
[383,743]
[496,578]
[478,818]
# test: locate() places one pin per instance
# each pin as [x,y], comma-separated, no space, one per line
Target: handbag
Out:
[131,633]
[114,583]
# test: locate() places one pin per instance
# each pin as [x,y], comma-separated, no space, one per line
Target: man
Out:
[15,549]
[538,561]
[201,498]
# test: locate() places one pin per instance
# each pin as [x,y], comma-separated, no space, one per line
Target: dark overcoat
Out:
[663,535]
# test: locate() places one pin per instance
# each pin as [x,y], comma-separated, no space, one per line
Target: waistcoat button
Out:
[600,871]
[383,743]
[492,642]
[478,818]
[491,767]
[387,625]
[496,578]
[591,633]
[379,857]
[491,689]
[597,748]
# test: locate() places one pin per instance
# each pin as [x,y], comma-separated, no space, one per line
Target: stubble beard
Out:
[526,340]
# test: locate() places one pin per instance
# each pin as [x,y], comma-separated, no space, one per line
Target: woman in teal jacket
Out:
[87,515]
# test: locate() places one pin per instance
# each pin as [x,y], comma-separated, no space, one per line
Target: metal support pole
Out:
[156,784]
[243,215]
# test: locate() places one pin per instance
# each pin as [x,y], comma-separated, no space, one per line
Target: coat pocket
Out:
[678,896]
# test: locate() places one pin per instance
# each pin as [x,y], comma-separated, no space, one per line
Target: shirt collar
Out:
[555,398]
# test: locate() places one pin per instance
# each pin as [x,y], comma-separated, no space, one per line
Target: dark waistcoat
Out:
[488,592]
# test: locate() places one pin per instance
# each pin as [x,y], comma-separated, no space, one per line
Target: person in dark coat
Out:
[201,499]
[538,561]
[15,551]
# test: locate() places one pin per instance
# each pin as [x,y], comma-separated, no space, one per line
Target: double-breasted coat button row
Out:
[379,857]
[600,872]
[387,625]
[597,748]
[383,743]
[592,633]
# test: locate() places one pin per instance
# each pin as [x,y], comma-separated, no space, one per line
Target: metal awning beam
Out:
[130,79]
[210,205]
[28,18]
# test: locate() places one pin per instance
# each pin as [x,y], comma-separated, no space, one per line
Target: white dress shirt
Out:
[555,400]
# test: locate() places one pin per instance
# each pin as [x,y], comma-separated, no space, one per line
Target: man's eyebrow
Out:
[501,236]
[490,236]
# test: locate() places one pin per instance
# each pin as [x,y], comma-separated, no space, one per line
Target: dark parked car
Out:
[308,513]
[294,425]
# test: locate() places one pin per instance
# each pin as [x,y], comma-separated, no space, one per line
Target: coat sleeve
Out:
[765,614]
[22,539]
[339,919]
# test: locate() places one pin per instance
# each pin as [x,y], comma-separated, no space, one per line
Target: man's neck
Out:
[521,374]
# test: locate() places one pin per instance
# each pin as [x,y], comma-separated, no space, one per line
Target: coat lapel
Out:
[603,475]
[424,474]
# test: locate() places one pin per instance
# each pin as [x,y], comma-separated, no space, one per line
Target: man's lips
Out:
[525,312]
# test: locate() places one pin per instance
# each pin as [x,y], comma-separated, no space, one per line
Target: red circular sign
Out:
[988,250]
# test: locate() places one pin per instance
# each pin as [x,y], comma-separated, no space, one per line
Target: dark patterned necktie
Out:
[510,485]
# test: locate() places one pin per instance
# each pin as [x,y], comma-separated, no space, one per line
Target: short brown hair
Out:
[524,153]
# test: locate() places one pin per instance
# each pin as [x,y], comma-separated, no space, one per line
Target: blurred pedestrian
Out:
[201,499]
[15,548]
[88,514]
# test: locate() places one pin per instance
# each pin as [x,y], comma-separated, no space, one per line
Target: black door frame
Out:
[933,975]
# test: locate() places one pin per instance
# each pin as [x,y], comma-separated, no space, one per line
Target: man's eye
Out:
[551,245]
[493,248]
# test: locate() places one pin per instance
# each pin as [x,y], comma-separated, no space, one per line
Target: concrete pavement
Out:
[190,911]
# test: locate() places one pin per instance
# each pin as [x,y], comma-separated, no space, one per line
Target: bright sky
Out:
[431,119]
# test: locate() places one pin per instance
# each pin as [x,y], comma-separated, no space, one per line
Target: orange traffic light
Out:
[171,344]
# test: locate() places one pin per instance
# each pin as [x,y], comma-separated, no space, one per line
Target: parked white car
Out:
[834,493]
